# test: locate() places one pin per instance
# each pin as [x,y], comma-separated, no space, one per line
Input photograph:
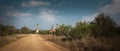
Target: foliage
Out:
[81,29]
[8,30]
[2,30]
[25,30]
[77,32]
[43,32]
[64,30]
[104,26]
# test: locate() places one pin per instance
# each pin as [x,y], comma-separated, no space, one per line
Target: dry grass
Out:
[72,45]
[87,43]
[4,40]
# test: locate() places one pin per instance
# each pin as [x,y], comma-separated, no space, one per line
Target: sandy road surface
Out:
[32,42]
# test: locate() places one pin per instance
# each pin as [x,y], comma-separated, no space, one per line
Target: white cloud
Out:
[15,13]
[89,18]
[113,8]
[47,15]
[34,3]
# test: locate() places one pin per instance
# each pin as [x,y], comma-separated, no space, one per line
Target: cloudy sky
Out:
[51,12]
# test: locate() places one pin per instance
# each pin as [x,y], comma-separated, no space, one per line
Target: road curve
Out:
[32,42]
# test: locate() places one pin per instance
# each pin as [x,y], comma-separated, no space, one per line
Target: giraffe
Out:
[51,31]
[37,29]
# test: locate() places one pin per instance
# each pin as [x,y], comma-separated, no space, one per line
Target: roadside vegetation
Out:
[102,34]
[4,40]
[9,33]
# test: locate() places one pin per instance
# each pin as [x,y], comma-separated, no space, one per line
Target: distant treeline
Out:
[10,29]
[102,25]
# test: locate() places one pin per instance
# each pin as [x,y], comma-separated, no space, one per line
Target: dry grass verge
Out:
[87,43]
[4,40]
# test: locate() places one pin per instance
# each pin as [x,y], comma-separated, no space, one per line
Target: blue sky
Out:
[51,12]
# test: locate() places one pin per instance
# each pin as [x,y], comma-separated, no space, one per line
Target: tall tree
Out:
[63,30]
[105,26]
[10,29]
[81,29]
[25,30]
[2,29]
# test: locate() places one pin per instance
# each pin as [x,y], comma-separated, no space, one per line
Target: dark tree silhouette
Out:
[25,30]
[104,26]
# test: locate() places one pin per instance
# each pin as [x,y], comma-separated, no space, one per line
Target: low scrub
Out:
[87,43]
[4,40]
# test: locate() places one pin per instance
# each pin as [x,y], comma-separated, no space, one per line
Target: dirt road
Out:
[32,42]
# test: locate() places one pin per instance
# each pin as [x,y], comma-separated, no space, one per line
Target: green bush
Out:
[44,32]
[104,26]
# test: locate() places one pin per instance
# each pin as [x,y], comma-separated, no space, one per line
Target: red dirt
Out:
[32,42]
